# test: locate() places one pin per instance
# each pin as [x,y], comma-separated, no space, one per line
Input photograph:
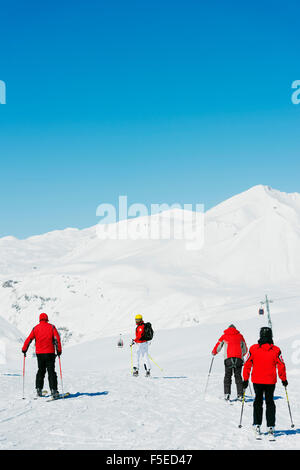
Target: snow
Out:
[91,289]
[110,409]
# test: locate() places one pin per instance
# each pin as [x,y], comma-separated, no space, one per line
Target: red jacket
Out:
[233,342]
[44,334]
[264,360]
[139,333]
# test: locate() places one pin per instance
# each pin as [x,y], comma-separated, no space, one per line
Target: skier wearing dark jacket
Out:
[265,360]
[235,349]
[46,341]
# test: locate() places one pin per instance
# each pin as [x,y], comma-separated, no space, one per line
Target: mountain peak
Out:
[259,198]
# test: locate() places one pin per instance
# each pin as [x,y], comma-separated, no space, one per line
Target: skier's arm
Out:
[281,367]
[57,341]
[247,366]
[218,346]
[28,341]
[244,347]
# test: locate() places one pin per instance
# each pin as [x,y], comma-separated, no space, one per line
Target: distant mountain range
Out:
[91,287]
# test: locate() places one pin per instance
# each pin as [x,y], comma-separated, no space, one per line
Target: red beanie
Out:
[43,317]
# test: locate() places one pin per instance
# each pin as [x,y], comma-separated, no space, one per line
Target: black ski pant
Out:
[46,363]
[233,366]
[261,391]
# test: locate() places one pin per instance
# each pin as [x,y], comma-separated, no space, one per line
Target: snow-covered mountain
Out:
[91,290]
[91,287]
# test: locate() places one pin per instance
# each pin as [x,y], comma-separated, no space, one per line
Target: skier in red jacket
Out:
[264,359]
[141,347]
[46,341]
[235,349]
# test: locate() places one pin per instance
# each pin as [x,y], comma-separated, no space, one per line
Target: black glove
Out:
[24,352]
[245,384]
[132,342]
[285,383]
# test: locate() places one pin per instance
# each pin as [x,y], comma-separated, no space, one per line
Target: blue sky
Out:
[162,101]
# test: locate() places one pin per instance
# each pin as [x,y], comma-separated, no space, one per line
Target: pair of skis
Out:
[59,396]
[52,398]
[257,431]
[259,435]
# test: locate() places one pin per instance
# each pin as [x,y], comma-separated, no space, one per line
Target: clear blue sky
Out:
[162,101]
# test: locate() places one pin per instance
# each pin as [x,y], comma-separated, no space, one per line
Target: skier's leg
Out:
[270,405]
[146,356]
[227,377]
[238,377]
[52,376]
[258,404]
[39,381]
[137,356]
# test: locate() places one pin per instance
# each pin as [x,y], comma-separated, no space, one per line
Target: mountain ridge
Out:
[92,287]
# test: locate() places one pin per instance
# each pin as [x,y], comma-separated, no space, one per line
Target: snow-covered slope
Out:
[109,409]
[254,238]
[11,341]
[91,287]
[91,290]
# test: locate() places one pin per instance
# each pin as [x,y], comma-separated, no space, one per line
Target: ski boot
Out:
[271,436]
[54,393]
[39,392]
[147,373]
[257,431]
[227,397]
[240,398]
[135,372]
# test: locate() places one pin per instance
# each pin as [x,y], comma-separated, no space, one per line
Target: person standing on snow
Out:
[141,347]
[265,360]
[46,340]
[235,349]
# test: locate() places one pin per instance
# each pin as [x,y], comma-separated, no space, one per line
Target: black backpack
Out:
[148,332]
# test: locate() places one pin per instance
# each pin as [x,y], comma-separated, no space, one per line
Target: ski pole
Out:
[287,398]
[55,342]
[62,386]
[242,410]
[211,364]
[24,377]
[155,362]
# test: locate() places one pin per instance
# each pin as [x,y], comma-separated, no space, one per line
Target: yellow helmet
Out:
[138,318]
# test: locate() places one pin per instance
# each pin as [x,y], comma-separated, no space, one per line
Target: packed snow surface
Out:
[109,409]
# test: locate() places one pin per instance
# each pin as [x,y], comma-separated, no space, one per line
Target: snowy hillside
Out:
[92,288]
[11,341]
[255,238]
[110,409]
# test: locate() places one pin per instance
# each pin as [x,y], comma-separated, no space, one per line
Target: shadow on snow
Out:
[287,432]
[251,399]
[86,394]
